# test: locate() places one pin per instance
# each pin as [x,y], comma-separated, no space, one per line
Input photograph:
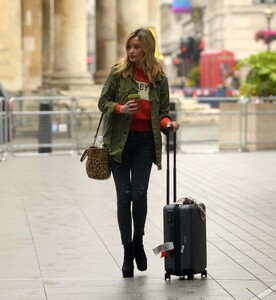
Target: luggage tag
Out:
[163,248]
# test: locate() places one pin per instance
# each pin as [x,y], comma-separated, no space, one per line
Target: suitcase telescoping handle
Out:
[168,165]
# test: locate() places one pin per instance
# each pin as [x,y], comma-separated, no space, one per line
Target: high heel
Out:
[127,268]
[139,253]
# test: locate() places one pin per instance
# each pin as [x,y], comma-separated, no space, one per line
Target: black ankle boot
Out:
[139,253]
[128,267]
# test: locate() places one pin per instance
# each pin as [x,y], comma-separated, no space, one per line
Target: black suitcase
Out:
[185,227]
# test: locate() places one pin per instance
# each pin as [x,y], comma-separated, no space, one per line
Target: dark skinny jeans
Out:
[131,179]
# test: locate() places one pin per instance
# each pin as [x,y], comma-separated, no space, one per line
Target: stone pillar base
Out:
[66,81]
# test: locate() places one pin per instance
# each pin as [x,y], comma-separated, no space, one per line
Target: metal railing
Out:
[42,125]
[209,135]
[47,125]
[3,128]
[88,116]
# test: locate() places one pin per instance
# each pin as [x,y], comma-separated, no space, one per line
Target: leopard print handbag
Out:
[98,160]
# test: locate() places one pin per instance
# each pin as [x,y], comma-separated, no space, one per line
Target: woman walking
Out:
[133,135]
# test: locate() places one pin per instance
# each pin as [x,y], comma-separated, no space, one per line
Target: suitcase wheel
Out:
[190,276]
[167,276]
[204,273]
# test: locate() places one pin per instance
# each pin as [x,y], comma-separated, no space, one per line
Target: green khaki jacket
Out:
[115,90]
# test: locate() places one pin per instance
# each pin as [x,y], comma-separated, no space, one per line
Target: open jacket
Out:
[115,91]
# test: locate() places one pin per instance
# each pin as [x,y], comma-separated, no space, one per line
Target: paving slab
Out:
[60,239]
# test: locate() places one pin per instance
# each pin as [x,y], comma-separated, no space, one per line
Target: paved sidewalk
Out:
[60,241]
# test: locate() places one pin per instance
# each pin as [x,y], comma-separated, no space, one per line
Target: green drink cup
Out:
[135,97]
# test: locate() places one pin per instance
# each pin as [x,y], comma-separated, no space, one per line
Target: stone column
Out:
[32,40]
[10,45]
[132,16]
[48,38]
[106,38]
[154,18]
[70,71]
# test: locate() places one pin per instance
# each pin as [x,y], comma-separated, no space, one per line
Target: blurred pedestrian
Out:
[133,134]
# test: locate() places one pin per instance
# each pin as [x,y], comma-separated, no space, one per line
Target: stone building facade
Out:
[223,24]
[44,42]
[232,25]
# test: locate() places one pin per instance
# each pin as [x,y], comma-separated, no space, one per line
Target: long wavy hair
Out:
[151,65]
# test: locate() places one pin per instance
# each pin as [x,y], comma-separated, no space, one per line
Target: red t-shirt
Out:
[141,120]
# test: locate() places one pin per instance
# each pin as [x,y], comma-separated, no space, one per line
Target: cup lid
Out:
[133,96]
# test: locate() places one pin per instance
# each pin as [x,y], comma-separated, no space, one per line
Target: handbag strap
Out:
[85,153]
[101,118]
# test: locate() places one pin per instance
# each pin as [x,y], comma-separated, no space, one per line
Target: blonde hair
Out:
[152,66]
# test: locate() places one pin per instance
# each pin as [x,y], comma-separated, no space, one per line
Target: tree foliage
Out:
[261,79]
[194,76]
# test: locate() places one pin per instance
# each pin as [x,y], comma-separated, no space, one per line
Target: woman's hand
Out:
[174,125]
[131,107]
